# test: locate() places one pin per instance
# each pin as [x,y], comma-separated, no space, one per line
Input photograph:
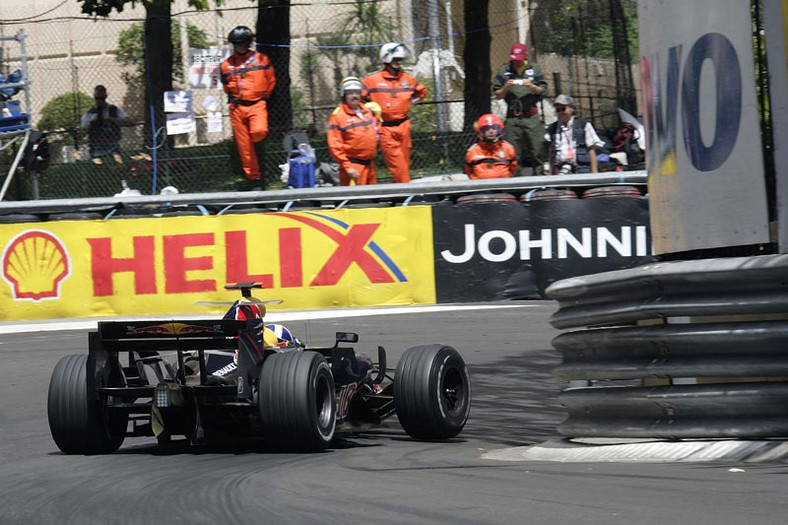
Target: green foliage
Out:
[584,28]
[105,7]
[353,47]
[64,112]
[131,51]
[301,118]
[424,117]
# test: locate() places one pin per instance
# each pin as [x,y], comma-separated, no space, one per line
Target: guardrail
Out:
[686,349]
[333,194]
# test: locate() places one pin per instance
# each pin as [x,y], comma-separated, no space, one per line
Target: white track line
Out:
[46,325]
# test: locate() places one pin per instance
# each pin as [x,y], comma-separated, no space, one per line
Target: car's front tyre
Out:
[432,392]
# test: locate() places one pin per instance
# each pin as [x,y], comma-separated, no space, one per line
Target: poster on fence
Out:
[177,102]
[179,123]
[204,72]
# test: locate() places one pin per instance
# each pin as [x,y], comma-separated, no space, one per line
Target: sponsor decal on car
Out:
[173,329]
[343,400]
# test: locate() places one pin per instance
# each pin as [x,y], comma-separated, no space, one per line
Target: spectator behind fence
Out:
[353,135]
[573,140]
[491,157]
[248,79]
[103,122]
[394,91]
[521,85]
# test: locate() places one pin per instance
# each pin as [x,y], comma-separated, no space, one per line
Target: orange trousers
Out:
[250,125]
[366,175]
[396,145]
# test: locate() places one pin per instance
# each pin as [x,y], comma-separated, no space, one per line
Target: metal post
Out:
[434,29]
[190,137]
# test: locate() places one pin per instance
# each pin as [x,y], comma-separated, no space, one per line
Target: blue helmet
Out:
[284,335]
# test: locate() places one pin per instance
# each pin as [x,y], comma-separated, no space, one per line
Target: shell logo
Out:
[35,263]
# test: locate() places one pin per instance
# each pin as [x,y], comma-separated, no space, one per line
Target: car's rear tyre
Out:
[297,401]
[78,425]
[432,392]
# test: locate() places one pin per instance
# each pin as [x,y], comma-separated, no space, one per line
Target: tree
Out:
[585,28]
[63,113]
[477,61]
[157,51]
[273,39]
[131,51]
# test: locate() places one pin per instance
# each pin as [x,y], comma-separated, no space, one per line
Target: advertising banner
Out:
[154,266]
[488,252]
[705,161]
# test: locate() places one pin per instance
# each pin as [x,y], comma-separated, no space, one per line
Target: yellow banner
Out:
[163,266]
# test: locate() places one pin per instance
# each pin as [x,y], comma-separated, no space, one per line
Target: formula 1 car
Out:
[238,377]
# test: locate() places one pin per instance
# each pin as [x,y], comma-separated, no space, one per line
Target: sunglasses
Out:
[560,109]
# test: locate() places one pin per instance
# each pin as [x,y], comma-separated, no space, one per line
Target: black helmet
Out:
[240,35]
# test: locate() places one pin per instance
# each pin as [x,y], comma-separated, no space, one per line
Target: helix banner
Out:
[153,266]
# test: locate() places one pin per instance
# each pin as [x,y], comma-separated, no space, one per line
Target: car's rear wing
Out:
[171,335]
[144,338]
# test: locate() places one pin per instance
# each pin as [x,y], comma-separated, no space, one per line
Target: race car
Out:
[236,376]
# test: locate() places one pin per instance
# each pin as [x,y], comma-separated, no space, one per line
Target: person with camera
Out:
[103,122]
[573,140]
[521,84]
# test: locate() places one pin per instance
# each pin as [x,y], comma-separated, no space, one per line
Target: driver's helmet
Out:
[242,310]
[284,336]
[392,50]
[486,122]
[240,35]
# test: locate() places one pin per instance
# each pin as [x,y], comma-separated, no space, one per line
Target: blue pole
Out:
[154,135]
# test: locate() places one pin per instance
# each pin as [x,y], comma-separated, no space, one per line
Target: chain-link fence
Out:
[69,54]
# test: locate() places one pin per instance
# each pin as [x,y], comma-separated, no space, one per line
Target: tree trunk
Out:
[273,39]
[158,71]
[477,61]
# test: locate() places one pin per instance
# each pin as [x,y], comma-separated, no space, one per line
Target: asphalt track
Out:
[381,476]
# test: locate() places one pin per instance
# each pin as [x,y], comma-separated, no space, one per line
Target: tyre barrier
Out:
[486,198]
[548,195]
[431,192]
[684,349]
[612,191]
[76,216]
[12,218]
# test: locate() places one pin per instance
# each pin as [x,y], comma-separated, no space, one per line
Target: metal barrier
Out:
[331,196]
[686,349]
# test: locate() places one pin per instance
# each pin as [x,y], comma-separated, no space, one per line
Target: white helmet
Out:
[349,84]
[392,50]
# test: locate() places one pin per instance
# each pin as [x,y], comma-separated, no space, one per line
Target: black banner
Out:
[513,250]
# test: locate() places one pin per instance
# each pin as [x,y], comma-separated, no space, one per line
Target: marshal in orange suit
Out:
[353,136]
[491,157]
[394,91]
[248,79]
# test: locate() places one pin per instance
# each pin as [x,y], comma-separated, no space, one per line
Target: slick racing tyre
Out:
[78,425]
[432,392]
[297,401]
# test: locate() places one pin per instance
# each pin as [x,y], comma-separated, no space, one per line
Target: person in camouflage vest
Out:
[521,84]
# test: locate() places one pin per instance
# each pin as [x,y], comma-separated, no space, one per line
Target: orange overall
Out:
[394,95]
[248,81]
[486,160]
[353,142]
